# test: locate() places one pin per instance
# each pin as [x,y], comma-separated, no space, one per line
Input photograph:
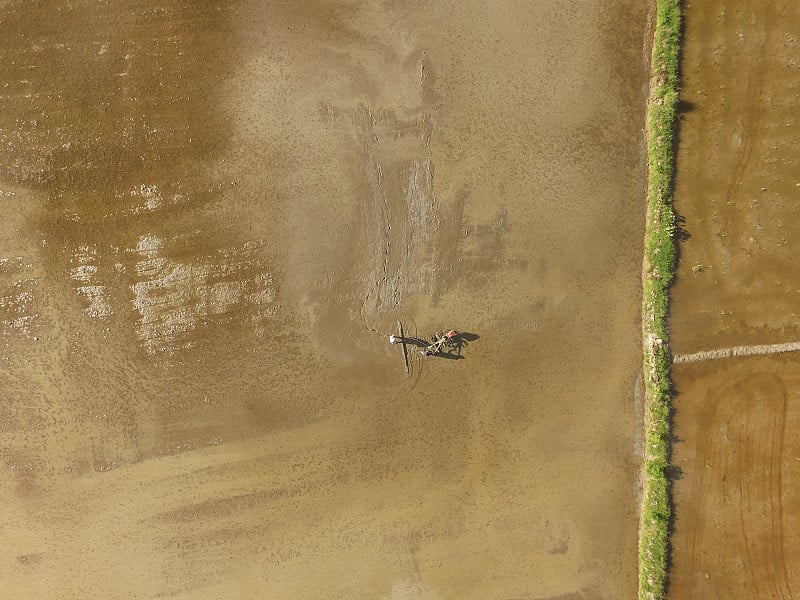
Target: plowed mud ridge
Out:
[758,350]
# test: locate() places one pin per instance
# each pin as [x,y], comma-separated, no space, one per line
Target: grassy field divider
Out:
[658,272]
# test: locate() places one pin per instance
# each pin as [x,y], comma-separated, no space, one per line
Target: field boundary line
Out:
[658,271]
[755,350]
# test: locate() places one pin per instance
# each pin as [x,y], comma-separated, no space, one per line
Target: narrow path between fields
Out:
[758,350]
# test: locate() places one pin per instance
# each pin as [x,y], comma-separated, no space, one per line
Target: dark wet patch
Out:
[30,559]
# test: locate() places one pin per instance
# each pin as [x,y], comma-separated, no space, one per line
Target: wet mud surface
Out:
[213,216]
[738,509]
[738,177]
[738,288]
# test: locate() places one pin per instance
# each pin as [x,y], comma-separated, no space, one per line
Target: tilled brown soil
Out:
[738,512]
[736,420]
[213,216]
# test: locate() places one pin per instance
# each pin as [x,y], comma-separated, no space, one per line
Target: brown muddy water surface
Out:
[737,531]
[214,214]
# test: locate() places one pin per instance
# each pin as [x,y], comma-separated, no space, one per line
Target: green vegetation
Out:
[659,268]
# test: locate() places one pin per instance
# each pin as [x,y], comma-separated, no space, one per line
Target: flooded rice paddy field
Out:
[738,508]
[212,217]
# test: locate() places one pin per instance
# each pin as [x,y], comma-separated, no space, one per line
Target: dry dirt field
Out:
[737,531]
[213,214]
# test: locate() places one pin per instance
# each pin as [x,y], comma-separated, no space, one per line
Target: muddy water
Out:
[212,219]
[739,280]
[738,176]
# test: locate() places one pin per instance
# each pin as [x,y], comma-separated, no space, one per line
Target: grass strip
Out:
[658,272]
